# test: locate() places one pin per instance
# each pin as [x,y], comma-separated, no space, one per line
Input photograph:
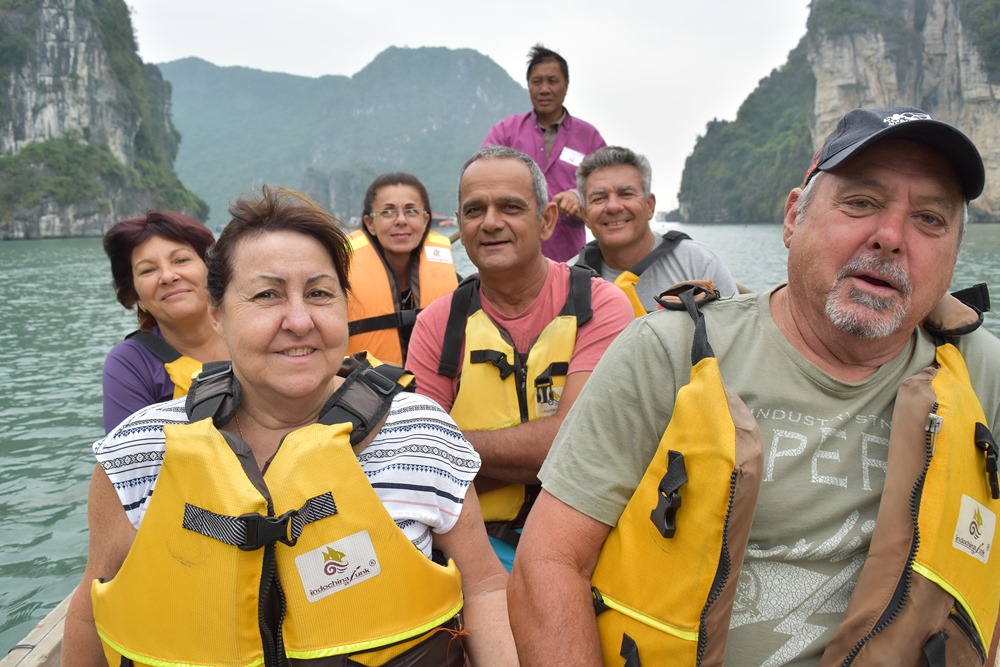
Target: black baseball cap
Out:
[860,128]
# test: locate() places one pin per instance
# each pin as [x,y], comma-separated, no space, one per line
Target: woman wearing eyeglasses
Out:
[398,266]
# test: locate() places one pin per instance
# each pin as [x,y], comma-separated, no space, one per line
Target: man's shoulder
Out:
[512,122]
[580,127]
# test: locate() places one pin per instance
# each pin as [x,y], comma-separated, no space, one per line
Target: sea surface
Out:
[58,318]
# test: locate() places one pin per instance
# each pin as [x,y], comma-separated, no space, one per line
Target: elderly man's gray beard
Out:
[878,316]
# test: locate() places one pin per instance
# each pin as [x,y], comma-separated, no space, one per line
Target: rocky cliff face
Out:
[67,85]
[72,84]
[924,58]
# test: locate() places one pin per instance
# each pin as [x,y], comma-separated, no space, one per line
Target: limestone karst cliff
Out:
[85,131]
[924,53]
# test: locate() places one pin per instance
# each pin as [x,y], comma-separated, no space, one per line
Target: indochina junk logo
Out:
[975,529]
[338,565]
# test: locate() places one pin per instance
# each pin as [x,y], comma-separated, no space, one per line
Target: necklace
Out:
[238,429]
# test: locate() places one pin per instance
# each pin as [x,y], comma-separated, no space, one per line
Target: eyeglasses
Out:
[392,213]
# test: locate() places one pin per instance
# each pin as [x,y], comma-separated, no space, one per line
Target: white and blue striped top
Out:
[419,464]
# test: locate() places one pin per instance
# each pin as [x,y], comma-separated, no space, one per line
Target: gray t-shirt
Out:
[689,260]
[825,452]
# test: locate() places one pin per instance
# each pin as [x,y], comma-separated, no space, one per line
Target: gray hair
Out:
[805,197]
[538,184]
[613,156]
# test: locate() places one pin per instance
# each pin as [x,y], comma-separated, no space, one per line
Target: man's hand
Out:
[568,203]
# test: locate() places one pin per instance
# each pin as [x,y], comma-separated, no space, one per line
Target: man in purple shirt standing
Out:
[555,140]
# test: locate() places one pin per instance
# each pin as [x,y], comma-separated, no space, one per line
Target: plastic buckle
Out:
[378,382]
[985,442]
[664,515]
[264,530]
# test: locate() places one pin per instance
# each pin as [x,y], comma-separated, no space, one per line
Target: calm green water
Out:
[58,317]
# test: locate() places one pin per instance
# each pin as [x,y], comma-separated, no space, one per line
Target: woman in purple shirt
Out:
[158,267]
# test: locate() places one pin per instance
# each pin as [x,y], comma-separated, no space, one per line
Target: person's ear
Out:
[791,215]
[550,216]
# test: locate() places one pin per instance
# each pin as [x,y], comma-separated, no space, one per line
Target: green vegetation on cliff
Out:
[741,171]
[73,170]
[67,170]
[982,17]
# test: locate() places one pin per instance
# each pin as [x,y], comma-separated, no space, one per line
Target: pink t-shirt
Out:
[612,313]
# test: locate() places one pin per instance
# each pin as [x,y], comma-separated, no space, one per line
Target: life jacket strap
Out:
[985,442]
[664,515]
[629,651]
[398,320]
[543,383]
[934,650]
[498,359]
[159,347]
[252,531]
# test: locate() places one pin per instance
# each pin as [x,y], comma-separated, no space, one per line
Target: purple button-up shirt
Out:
[575,140]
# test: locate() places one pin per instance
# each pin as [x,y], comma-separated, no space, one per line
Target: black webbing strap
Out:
[592,253]
[592,257]
[365,397]
[578,302]
[161,348]
[630,652]
[498,359]
[670,241]
[668,498]
[253,531]
[934,650]
[700,347]
[977,296]
[400,319]
[984,441]
[214,393]
[462,301]
[544,382]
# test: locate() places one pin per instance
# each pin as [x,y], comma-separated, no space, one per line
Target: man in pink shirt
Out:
[508,352]
[555,140]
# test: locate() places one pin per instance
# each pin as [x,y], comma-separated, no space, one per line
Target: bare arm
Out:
[550,604]
[111,536]
[484,582]
[515,453]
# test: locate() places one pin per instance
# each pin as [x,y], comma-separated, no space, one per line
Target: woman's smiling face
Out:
[284,318]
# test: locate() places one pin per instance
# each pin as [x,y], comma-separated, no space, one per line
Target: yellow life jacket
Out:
[179,368]
[499,387]
[376,319]
[627,280]
[710,457]
[236,567]
[928,591]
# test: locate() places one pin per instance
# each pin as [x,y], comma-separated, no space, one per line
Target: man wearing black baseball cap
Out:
[860,443]
[860,128]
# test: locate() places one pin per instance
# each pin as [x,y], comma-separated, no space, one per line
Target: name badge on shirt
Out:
[571,156]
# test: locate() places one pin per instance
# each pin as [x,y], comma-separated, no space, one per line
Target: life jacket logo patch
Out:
[975,529]
[338,565]
[547,401]
[438,254]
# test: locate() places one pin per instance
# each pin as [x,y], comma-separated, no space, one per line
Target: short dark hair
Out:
[124,237]
[278,209]
[539,54]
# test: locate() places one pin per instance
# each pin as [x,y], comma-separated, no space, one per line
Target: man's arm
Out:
[515,453]
[548,594]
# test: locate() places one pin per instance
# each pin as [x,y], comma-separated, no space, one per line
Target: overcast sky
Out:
[648,74]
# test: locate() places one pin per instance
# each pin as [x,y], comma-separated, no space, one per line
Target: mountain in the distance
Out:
[423,110]
[942,56]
